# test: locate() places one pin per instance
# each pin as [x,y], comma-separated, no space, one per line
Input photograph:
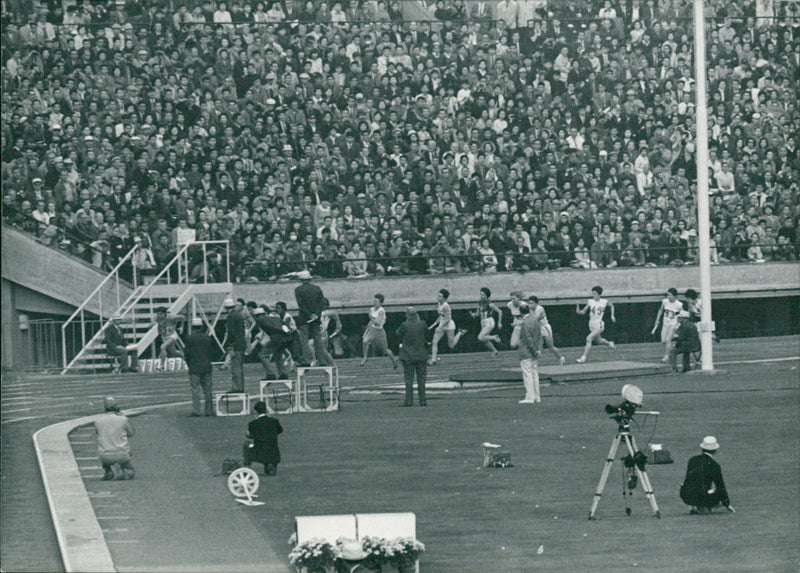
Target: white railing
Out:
[97,294]
[179,265]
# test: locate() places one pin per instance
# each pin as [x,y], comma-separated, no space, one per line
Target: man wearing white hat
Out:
[703,488]
[311,302]
[199,349]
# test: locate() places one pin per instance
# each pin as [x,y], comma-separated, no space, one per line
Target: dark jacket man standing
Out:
[414,355]
[264,433]
[685,341]
[703,488]
[199,348]
[311,302]
[236,343]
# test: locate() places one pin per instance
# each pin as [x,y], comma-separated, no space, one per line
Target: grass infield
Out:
[375,456]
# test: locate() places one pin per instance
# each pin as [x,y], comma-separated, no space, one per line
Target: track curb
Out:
[81,541]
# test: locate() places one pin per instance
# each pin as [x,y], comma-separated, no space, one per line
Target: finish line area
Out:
[375,457]
[589,372]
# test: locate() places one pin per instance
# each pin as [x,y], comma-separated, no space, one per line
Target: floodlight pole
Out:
[706,326]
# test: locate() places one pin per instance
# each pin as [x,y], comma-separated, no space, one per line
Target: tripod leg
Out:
[604,476]
[644,480]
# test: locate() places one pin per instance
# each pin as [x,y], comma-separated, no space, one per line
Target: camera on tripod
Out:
[624,412]
[635,461]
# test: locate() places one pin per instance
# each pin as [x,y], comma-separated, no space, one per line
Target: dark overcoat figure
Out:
[414,356]
[703,488]
[264,433]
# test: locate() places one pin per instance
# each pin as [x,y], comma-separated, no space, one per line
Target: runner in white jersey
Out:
[171,343]
[330,315]
[443,324]
[516,317]
[375,335]
[596,307]
[538,312]
[668,315]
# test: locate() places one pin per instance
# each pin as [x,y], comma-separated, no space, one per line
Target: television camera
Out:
[635,461]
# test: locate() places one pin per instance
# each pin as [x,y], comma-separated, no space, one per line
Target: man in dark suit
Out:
[703,488]
[311,302]
[236,343]
[199,348]
[117,347]
[686,341]
[414,355]
[264,433]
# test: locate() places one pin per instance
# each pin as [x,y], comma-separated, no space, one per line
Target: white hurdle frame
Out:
[287,385]
[331,390]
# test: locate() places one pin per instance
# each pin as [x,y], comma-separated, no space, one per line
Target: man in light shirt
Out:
[508,10]
[113,449]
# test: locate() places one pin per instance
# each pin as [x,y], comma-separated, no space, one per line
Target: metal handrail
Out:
[182,260]
[113,275]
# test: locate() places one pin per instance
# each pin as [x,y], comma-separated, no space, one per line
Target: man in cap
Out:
[264,433]
[124,355]
[236,343]
[311,302]
[113,449]
[686,341]
[414,355]
[703,487]
[199,349]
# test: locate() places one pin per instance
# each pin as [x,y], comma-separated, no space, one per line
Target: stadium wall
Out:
[46,279]
[566,286]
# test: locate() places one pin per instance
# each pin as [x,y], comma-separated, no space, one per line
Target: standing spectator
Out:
[508,12]
[199,349]
[685,341]
[414,356]
[264,433]
[311,302]
[530,348]
[236,343]
[113,431]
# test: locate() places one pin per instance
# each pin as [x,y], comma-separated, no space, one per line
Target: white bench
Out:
[356,526]
[327,527]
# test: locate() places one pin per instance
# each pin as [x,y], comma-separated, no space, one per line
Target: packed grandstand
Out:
[370,138]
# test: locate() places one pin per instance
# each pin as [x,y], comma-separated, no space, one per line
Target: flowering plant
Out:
[375,548]
[403,552]
[314,555]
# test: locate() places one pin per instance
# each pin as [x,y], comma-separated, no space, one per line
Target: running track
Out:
[32,402]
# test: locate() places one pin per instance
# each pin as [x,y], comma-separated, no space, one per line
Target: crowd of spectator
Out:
[363,137]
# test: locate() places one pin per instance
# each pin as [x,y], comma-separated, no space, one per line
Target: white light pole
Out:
[706,326]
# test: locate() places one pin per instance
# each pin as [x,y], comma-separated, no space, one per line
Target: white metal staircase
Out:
[171,288]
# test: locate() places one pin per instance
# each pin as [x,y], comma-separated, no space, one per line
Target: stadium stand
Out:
[404,137]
